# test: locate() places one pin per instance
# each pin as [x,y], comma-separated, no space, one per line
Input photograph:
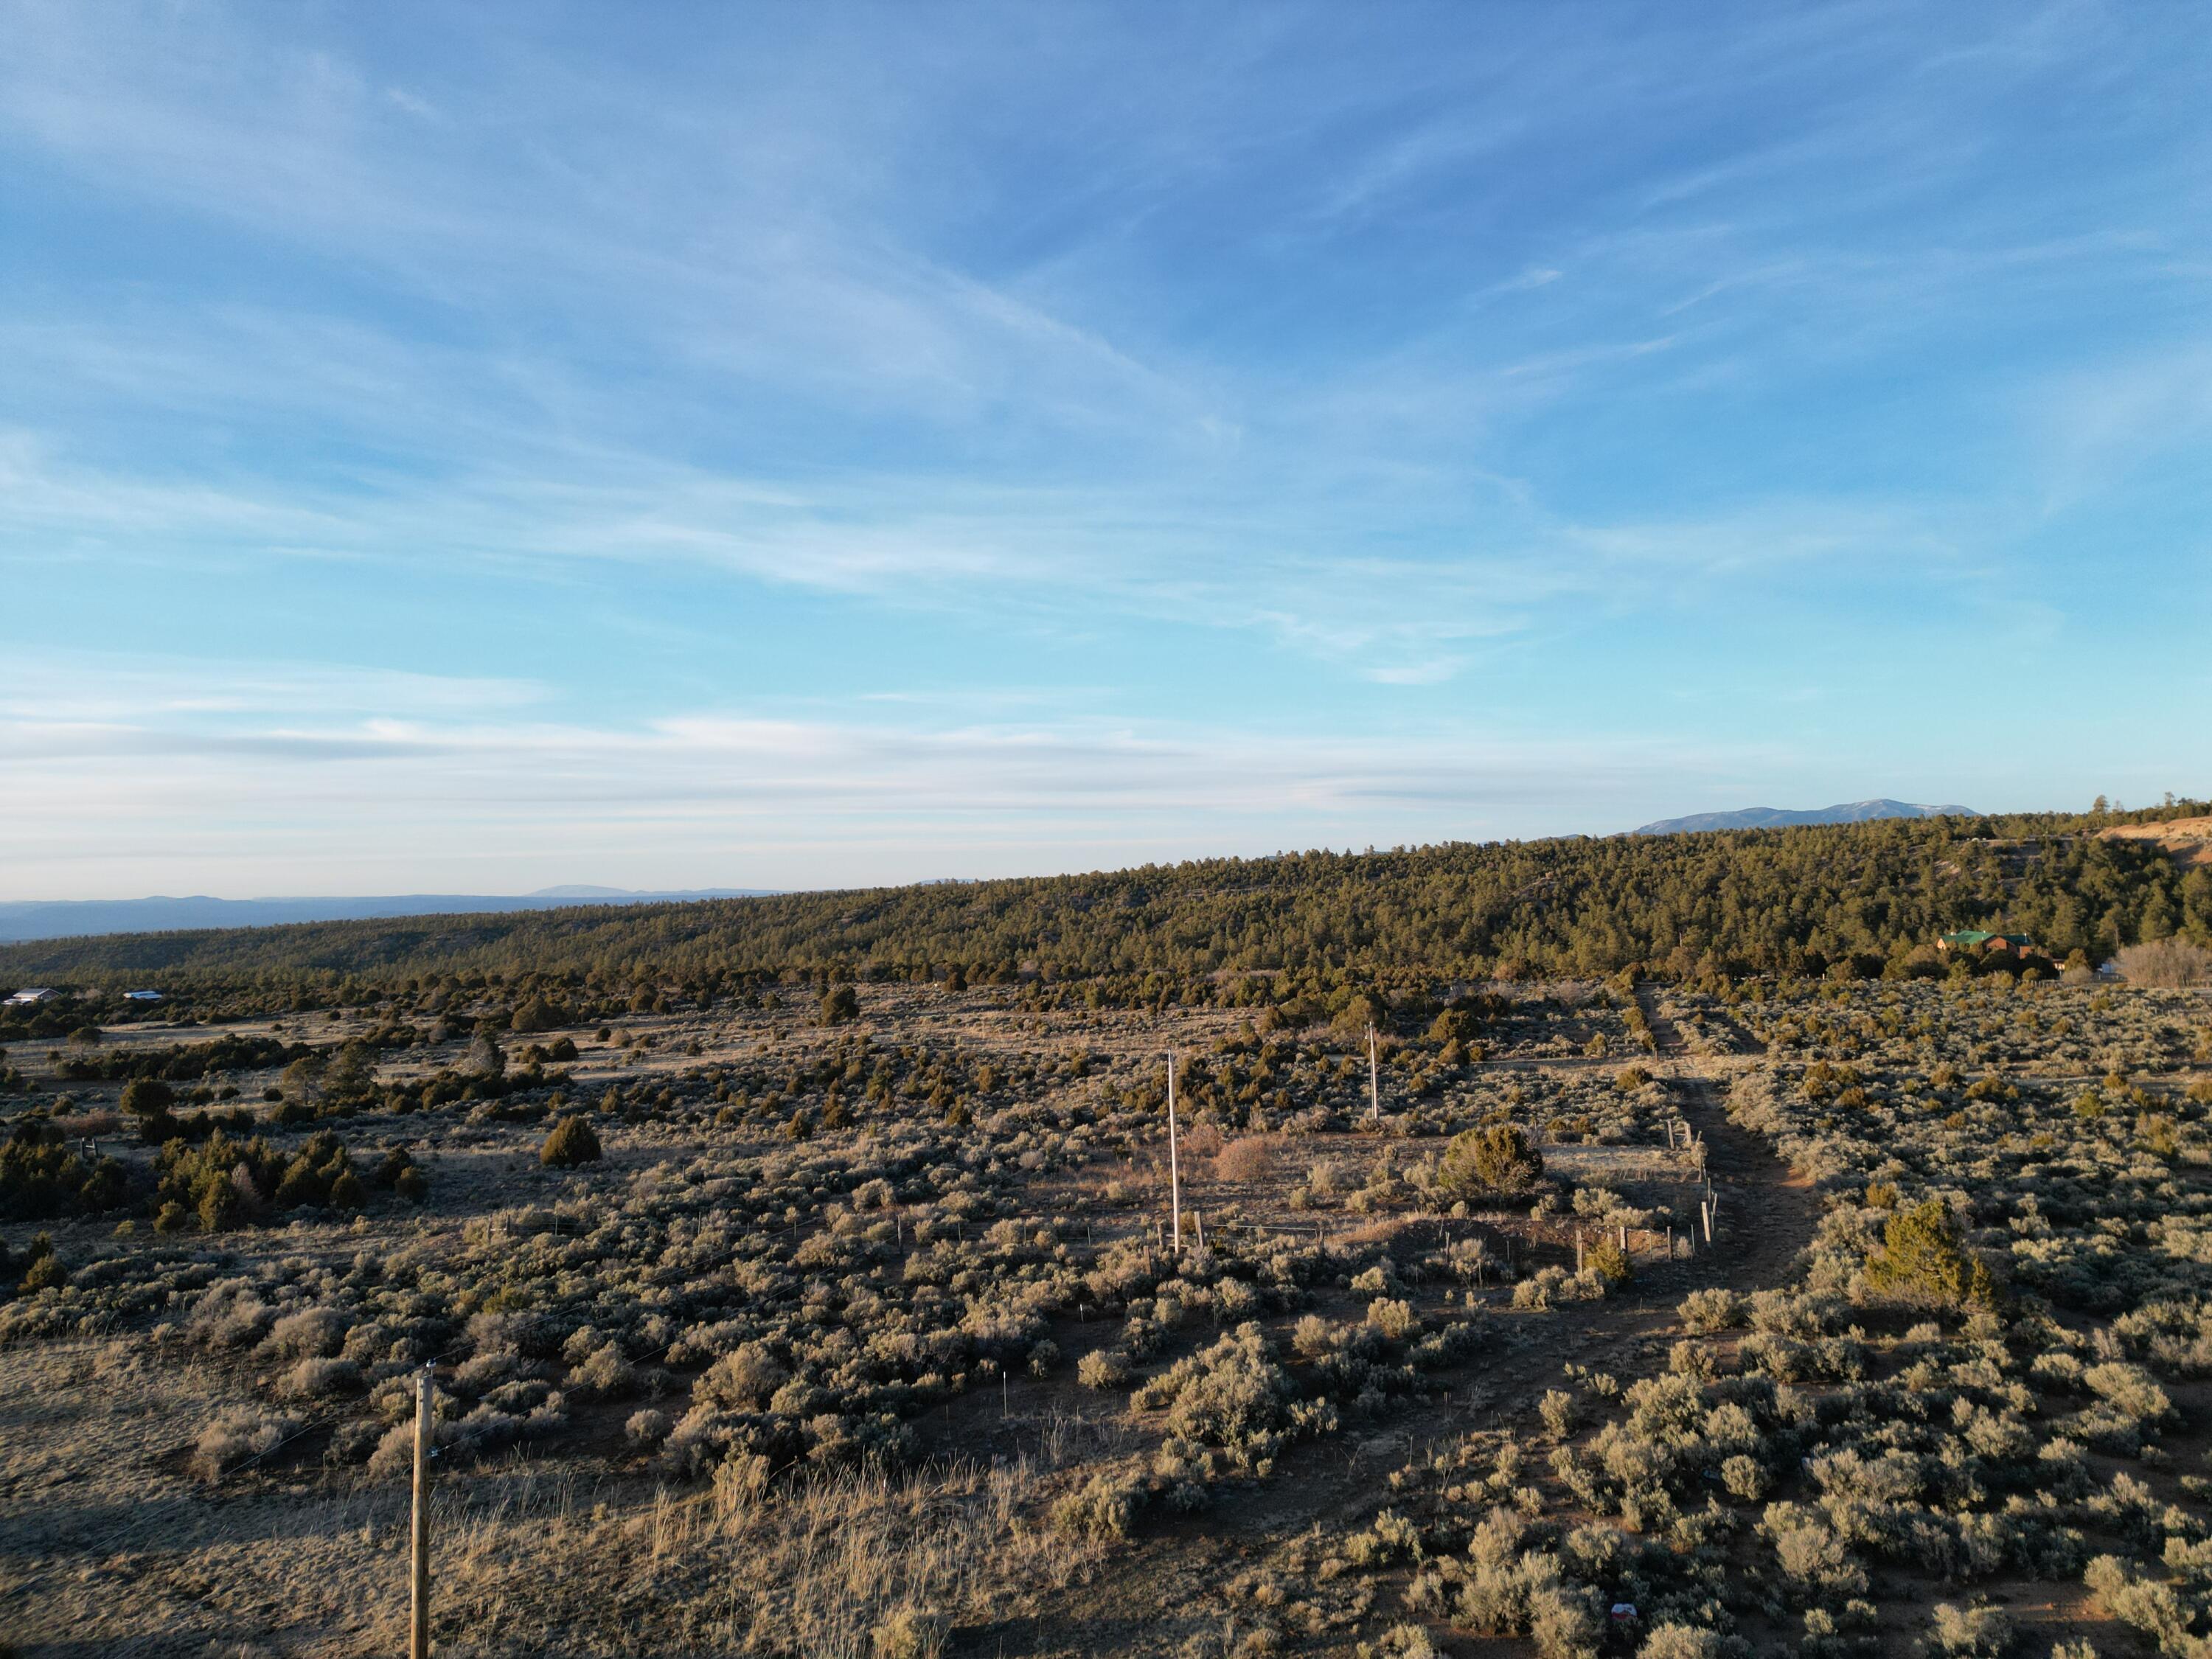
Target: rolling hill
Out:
[1797,899]
[43,919]
[1775,818]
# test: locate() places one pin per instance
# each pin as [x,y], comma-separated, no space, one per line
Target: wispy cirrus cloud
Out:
[45,688]
[271,779]
[1209,421]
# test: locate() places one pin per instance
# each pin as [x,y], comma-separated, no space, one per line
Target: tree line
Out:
[1861,898]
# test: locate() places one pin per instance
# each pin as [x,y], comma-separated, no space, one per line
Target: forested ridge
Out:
[1842,897]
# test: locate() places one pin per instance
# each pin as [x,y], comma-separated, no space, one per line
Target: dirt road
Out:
[1152,1597]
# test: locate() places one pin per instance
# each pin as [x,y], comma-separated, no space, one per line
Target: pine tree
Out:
[1922,1260]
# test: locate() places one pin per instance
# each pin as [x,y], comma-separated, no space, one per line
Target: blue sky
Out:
[471,448]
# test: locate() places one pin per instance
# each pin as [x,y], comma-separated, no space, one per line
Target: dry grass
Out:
[1612,1165]
[110,1543]
[1201,1140]
[855,1565]
[1249,1158]
[80,1125]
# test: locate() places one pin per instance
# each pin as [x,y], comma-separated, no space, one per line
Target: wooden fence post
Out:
[1175,1165]
[1374,1078]
[418,1640]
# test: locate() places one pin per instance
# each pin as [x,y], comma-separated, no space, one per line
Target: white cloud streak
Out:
[266,780]
[1404,359]
[688,290]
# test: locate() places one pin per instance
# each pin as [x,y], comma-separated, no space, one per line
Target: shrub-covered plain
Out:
[824,1313]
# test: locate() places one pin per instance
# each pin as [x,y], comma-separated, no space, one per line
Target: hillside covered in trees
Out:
[1861,898]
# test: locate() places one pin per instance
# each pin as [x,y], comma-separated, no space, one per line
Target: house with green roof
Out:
[1973,938]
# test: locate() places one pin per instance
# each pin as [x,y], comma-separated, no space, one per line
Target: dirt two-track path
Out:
[1162,1590]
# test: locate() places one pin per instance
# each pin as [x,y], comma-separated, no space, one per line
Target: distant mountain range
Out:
[1771,818]
[83,918]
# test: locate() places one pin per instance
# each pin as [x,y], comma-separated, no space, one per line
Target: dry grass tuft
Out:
[855,1565]
[1201,1140]
[1249,1158]
[238,1434]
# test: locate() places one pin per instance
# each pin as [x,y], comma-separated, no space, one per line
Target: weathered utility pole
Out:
[418,1640]
[1175,1164]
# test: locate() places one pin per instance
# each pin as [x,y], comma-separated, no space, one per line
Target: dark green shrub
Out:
[1104,1507]
[1921,1261]
[226,1180]
[1494,1159]
[148,1096]
[538,1015]
[573,1142]
[1363,1010]
[300,1185]
[41,1176]
[1103,1368]
[221,1204]
[104,1187]
[1608,1261]
[46,1272]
